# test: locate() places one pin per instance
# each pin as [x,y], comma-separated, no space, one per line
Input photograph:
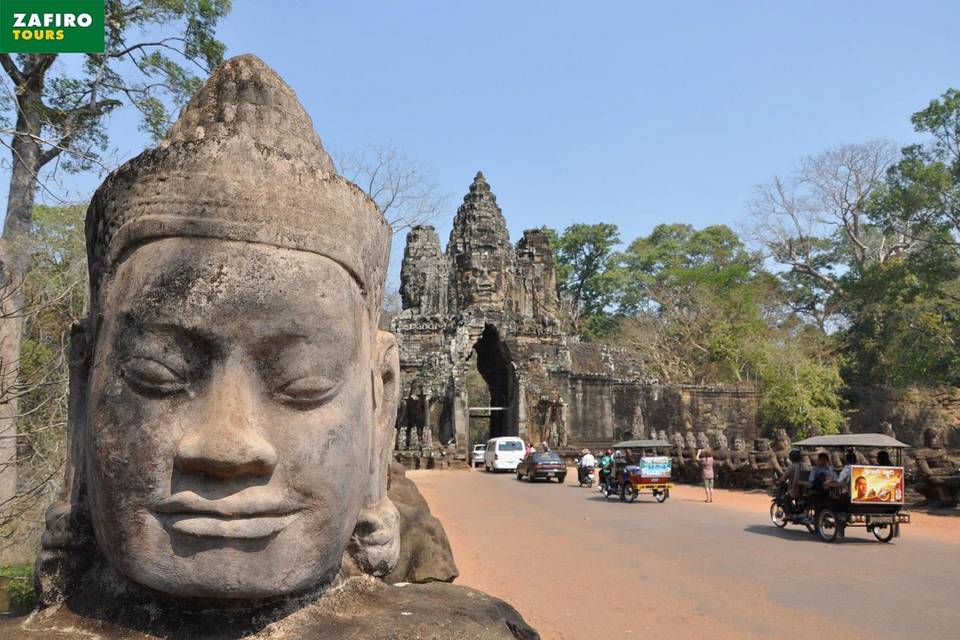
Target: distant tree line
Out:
[847,272]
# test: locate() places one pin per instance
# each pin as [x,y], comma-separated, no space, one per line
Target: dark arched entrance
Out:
[493,364]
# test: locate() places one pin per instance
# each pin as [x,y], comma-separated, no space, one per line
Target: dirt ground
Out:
[576,565]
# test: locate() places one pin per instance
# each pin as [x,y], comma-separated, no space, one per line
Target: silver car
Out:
[476,456]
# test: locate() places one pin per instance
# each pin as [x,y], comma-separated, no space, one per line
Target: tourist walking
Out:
[705,458]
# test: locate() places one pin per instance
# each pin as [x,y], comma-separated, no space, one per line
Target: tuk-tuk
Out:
[872,497]
[642,470]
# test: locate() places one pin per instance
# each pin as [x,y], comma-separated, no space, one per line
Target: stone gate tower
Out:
[484,295]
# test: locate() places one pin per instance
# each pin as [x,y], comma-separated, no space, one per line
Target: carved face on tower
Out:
[240,402]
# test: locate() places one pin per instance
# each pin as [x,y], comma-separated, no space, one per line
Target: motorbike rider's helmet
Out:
[609,452]
[794,455]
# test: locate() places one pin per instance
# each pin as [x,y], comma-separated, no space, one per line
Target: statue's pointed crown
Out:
[241,163]
[244,96]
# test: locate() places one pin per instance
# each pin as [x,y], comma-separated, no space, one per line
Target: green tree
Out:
[697,297]
[904,322]
[56,118]
[903,316]
[588,278]
[800,391]
[922,190]
[55,296]
[698,307]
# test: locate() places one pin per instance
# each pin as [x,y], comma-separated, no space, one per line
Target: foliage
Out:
[697,293]
[904,317]
[801,391]
[905,322]
[587,274]
[695,306]
[19,587]
[55,298]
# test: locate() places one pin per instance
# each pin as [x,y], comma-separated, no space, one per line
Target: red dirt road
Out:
[576,565]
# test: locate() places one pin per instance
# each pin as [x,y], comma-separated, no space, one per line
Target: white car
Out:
[476,457]
[503,453]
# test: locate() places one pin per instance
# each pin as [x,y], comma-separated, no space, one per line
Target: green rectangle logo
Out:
[51,26]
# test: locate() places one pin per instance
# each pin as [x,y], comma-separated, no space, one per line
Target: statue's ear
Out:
[375,544]
[386,397]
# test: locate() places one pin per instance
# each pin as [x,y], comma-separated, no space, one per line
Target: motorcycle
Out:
[784,510]
[585,475]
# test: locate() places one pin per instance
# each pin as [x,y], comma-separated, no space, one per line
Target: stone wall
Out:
[909,411]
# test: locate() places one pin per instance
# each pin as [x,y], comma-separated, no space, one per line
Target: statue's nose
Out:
[224,440]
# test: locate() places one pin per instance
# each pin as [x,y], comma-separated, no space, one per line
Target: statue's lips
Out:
[243,518]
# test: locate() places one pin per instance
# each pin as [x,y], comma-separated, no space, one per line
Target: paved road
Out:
[574,564]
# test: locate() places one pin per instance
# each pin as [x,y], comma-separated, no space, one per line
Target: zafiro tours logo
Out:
[51,26]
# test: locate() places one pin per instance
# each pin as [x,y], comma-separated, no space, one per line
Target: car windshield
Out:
[480,447]
[510,446]
[545,457]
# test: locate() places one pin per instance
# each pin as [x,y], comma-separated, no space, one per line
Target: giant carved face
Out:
[229,417]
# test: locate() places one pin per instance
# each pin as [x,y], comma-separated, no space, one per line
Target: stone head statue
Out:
[653,434]
[933,438]
[677,439]
[739,444]
[783,440]
[691,440]
[721,440]
[887,429]
[761,444]
[235,402]
[703,442]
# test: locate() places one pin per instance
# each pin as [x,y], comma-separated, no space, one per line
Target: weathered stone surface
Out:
[360,607]
[233,401]
[425,554]
[487,297]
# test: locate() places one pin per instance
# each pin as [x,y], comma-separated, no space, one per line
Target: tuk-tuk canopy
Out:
[853,440]
[641,444]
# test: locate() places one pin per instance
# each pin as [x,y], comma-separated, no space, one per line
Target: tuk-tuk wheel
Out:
[827,525]
[629,493]
[884,532]
[661,495]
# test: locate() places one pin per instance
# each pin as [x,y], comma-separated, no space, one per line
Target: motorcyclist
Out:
[618,462]
[606,467]
[793,477]
[585,465]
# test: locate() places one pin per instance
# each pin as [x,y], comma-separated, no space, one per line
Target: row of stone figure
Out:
[930,468]
[413,439]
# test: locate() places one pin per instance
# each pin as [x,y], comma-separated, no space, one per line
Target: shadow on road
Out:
[800,534]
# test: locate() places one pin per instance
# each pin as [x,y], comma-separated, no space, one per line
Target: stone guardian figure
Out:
[233,401]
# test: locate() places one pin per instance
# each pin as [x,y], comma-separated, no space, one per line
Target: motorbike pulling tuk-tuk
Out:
[872,496]
[641,470]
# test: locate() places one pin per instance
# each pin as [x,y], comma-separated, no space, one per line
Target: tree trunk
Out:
[14,261]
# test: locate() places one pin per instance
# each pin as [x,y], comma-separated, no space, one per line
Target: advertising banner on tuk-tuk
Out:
[871,484]
[655,466]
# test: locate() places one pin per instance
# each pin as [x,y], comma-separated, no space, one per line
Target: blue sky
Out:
[634,113]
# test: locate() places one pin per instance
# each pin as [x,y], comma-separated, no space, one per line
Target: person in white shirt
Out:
[587,459]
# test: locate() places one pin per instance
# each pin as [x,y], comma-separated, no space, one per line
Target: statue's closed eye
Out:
[151,378]
[308,392]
